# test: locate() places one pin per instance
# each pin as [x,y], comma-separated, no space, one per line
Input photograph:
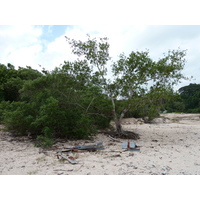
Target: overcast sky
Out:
[28,45]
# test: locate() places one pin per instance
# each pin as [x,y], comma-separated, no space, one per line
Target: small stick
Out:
[79,167]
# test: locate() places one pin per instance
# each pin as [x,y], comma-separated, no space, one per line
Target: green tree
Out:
[191,97]
[7,89]
[131,75]
[12,80]
[80,97]
[66,103]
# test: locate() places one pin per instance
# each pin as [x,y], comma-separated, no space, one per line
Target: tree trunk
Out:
[119,128]
[118,122]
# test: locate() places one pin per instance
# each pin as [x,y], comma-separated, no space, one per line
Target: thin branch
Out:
[71,103]
[102,115]
[124,112]
[90,104]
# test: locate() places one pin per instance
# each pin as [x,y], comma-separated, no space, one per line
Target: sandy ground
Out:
[169,146]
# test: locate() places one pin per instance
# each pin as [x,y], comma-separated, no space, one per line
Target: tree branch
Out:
[71,103]
[124,112]
[102,115]
[90,104]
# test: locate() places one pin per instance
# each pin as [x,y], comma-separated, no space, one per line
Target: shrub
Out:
[43,141]
[20,117]
[49,120]
[4,106]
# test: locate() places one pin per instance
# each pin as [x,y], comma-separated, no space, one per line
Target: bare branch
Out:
[71,103]
[102,115]
[124,112]
[90,104]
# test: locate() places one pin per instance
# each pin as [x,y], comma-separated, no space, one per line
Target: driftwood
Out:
[90,148]
[95,147]
[128,146]
[69,158]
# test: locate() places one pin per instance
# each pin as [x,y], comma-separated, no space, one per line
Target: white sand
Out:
[169,146]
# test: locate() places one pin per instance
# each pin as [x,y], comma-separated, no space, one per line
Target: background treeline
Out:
[187,100]
[65,104]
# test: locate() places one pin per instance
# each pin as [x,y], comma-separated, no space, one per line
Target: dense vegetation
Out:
[53,104]
[76,99]
[187,100]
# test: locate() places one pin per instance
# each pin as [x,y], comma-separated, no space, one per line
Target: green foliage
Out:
[132,76]
[194,110]
[43,141]
[46,139]
[12,80]
[58,104]
[6,73]
[186,100]
[137,71]
[5,106]
[174,104]
[191,97]
[49,118]
[19,117]
[76,99]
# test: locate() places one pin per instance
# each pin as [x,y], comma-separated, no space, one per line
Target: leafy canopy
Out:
[76,99]
[135,78]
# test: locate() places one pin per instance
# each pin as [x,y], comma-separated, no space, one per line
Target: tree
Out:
[190,95]
[58,104]
[7,90]
[11,80]
[174,103]
[131,76]
[64,102]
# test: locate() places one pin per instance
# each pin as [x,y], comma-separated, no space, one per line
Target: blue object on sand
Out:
[130,146]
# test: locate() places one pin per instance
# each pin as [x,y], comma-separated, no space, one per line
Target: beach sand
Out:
[168,146]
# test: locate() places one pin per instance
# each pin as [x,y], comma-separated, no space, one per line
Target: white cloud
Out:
[54,54]
[19,44]
[121,37]
[25,55]
[22,45]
